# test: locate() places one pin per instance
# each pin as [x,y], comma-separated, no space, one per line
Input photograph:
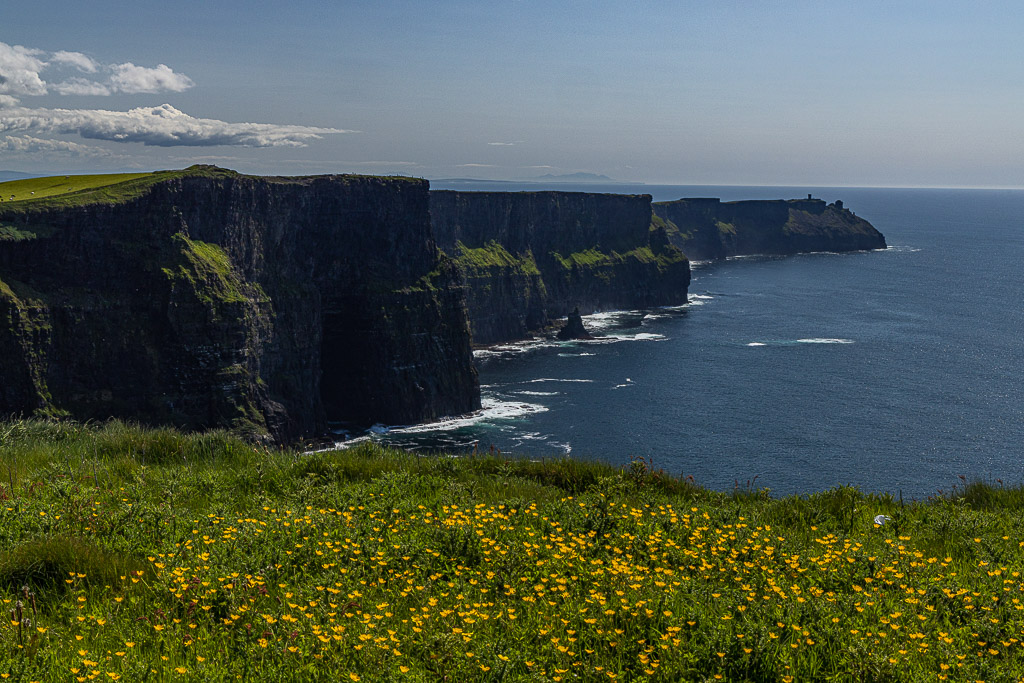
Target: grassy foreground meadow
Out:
[133,554]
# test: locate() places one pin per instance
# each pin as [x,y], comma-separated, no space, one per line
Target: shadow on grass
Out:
[49,564]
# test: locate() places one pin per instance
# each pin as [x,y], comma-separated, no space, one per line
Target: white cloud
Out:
[80,86]
[77,60]
[162,126]
[129,78]
[19,70]
[26,144]
[475,166]
[382,163]
[501,144]
[206,157]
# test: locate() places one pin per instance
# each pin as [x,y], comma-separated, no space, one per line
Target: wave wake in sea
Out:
[793,342]
[554,379]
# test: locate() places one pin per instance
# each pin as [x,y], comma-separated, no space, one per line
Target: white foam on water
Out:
[595,322]
[604,319]
[537,393]
[492,409]
[575,355]
[664,312]
[809,340]
[517,348]
[340,445]
[615,338]
[553,379]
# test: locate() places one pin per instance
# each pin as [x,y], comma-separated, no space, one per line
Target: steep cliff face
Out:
[206,298]
[712,229]
[529,257]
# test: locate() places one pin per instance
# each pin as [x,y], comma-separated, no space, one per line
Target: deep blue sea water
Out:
[896,370]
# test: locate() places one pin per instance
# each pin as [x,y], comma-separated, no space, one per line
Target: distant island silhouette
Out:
[576,178]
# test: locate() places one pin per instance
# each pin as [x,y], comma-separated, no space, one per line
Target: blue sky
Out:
[780,93]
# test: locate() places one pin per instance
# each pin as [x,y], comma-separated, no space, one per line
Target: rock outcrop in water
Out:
[574,327]
[531,257]
[712,229]
[205,298]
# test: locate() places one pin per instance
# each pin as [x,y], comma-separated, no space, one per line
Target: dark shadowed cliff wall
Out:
[712,229]
[530,257]
[209,298]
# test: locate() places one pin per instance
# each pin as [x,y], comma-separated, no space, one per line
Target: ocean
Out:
[895,371]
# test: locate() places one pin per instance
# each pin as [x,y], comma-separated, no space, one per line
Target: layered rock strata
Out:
[206,298]
[708,229]
[531,257]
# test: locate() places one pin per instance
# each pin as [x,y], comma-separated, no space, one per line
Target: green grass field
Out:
[150,555]
[60,192]
[38,188]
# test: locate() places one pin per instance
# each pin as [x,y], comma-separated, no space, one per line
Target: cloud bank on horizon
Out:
[24,72]
[162,126]
[26,144]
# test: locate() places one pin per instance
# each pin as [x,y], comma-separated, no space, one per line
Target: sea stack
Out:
[574,328]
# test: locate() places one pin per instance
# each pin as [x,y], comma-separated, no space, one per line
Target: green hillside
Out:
[147,554]
[37,188]
[57,192]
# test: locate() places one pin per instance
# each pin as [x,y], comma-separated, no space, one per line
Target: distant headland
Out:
[709,229]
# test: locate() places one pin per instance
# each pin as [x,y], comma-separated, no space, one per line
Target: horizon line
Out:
[539,180]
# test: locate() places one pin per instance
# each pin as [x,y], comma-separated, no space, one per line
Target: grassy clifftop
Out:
[74,190]
[155,555]
[38,188]
[68,191]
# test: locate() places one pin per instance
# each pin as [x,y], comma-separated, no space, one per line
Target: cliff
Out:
[529,257]
[205,298]
[711,229]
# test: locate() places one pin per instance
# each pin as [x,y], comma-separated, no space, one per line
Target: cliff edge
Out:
[707,229]
[204,298]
